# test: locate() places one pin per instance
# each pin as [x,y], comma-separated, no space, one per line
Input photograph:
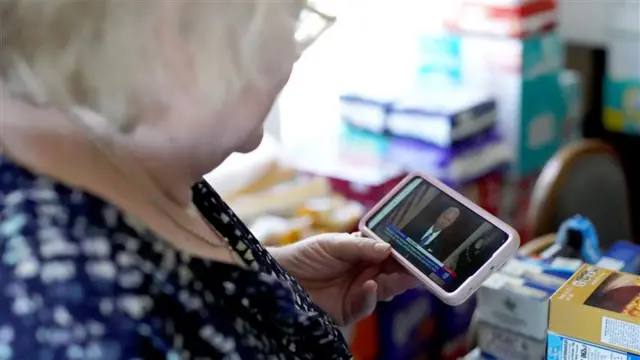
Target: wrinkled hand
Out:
[345,274]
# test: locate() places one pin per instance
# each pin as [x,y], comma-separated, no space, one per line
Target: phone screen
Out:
[443,238]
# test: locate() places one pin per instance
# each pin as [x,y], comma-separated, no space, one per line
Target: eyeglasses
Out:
[311,25]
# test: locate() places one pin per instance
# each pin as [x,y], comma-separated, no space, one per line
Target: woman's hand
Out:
[345,274]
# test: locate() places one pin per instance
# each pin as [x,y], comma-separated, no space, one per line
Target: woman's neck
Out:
[147,153]
[47,143]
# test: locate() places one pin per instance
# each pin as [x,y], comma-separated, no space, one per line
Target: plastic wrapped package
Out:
[316,216]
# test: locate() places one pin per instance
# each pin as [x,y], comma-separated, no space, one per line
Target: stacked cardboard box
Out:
[521,69]
[622,85]
[510,49]
[595,315]
[512,311]
[448,132]
[513,305]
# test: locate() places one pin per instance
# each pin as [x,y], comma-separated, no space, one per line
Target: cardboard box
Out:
[622,256]
[623,56]
[622,105]
[524,77]
[599,306]
[564,348]
[514,304]
[505,344]
[365,111]
[441,115]
[519,19]
[626,15]
[462,164]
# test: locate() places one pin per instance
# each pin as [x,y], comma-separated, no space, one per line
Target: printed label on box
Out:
[573,350]
[564,348]
[599,307]
[621,334]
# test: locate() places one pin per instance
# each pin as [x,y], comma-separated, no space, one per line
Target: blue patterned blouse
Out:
[80,280]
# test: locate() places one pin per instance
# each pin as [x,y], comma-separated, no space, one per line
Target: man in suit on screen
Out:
[429,237]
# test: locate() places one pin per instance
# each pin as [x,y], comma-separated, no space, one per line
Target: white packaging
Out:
[505,344]
[623,60]
[441,116]
[506,302]
[523,76]
[623,38]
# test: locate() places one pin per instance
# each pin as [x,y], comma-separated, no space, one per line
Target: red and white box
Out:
[510,18]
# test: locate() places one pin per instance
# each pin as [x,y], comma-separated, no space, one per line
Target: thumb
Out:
[351,248]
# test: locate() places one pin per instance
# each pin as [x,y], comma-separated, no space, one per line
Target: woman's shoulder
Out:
[76,276]
[34,206]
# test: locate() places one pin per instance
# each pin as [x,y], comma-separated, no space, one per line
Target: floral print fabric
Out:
[79,279]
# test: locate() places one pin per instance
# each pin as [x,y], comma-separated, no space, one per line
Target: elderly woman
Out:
[111,112]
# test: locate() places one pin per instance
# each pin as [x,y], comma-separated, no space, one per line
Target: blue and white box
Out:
[433,115]
[523,76]
[622,256]
[441,116]
[463,162]
[564,348]
[365,112]
[514,304]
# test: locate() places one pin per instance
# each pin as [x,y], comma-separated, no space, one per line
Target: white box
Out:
[508,303]
[505,344]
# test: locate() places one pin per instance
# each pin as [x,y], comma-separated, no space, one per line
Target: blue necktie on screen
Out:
[426,239]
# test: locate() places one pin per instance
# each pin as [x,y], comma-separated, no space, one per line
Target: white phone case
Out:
[499,258]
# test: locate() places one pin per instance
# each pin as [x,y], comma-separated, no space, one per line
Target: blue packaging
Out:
[453,326]
[406,325]
[564,348]
[563,268]
[622,256]
[590,245]
[441,115]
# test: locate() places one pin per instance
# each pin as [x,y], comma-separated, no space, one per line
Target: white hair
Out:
[104,54]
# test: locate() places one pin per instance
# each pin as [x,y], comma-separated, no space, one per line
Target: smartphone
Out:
[450,244]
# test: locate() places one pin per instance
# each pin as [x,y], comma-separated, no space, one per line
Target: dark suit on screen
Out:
[416,229]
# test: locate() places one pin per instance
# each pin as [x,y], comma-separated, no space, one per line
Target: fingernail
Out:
[381,247]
